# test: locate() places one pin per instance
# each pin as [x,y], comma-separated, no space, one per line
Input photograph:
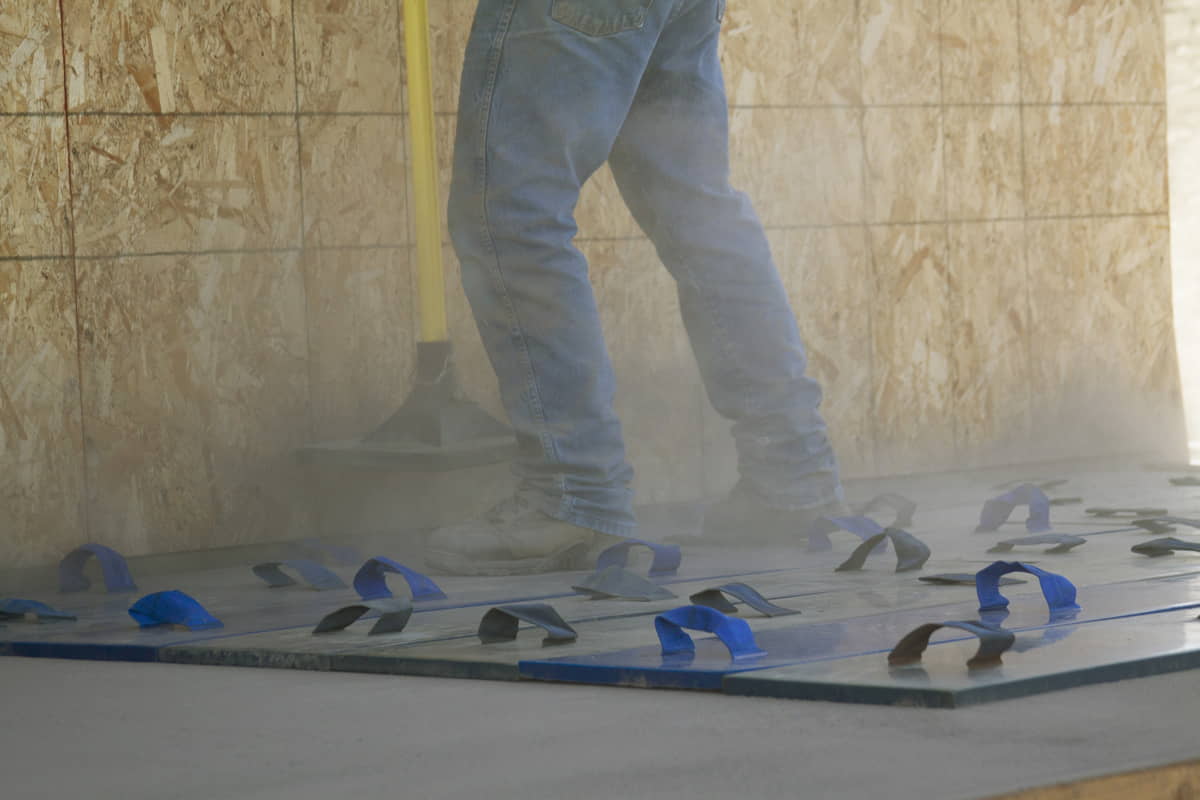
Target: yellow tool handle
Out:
[431,281]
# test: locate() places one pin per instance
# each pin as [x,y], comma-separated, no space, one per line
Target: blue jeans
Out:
[551,89]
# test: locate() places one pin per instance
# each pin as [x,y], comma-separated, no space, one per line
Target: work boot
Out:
[513,538]
[745,517]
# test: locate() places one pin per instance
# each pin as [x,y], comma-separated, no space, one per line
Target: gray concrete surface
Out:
[131,731]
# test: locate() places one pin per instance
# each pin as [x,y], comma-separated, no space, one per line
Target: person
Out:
[551,89]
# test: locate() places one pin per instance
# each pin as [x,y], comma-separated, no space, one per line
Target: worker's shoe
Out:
[744,517]
[513,538]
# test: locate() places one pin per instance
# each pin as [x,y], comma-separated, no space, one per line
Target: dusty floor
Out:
[101,730]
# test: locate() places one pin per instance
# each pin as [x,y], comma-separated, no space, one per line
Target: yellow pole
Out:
[431,282]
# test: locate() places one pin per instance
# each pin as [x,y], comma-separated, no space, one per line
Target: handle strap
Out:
[1062,542]
[172,608]
[371,584]
[911,552]
[715,598]
[1126,513]
[734,633]
[1058,591]
[18,608]
[992,643]
[1164,547]
[665,562]
[115,569]
[618,583]
[500,624]
[318,577]
[1161,525]
[394,614]
[997,510]
[860,526]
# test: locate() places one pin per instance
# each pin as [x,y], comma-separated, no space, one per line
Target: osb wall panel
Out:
[361,343]
[1103,360]
[354,174]
[146,184]
[1080,51]
[179,55]
[830,284]
[349,56]
[33,186]
[41,447]
[659,393]
[31,73]
[194,374]
[992,373]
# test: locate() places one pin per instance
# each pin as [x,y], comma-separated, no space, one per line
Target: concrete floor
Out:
[107,730]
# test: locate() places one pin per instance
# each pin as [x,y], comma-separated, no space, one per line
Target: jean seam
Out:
[535,405]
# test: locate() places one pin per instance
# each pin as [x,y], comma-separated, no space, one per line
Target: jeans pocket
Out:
[600,17]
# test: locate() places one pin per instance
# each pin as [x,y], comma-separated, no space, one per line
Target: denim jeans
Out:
[552,89]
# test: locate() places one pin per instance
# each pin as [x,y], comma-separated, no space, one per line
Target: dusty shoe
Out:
[513,538]
[743,517]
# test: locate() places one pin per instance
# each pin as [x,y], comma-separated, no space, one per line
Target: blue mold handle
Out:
[371,584]
[997,510]
[172,608]
[714,598]
[17,607]
[734,633]
[112,564]
[1058,591]
[318,577]
[860,526]
[666,556]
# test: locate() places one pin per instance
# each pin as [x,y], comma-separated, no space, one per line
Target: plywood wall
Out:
[205,250]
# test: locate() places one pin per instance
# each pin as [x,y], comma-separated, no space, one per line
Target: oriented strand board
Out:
[471,361]
[829,280]
[195,392]
[800,166]
[1103,355]
[146,185]
[659,397]
[166,56]
[984,176]
[449,28]
[899,51]
[820,38]
[913,349]
[992,377]
[41,445]
[361,318]
[1096,159]
[33,186]
[602,212]
[31,69]
[349,55]
[981,51]
[904,164]
[354,173]
[1079,51]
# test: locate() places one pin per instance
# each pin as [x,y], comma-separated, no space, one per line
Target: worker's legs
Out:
[671,161]
[546,88]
